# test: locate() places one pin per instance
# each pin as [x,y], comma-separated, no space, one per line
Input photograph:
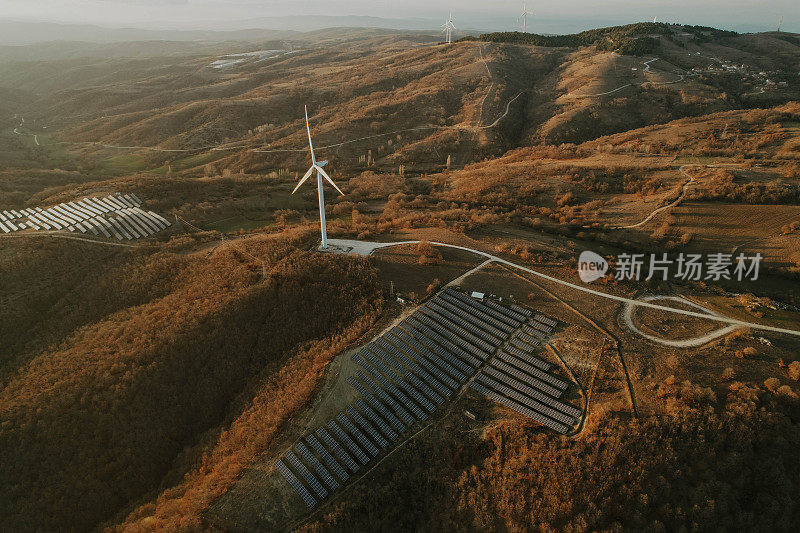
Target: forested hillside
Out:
[97,420]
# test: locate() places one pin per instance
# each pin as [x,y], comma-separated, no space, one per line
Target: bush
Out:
[772,384]
[794,370]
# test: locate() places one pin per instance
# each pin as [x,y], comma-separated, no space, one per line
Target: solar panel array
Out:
[407,373]
[520,380]
[116,216]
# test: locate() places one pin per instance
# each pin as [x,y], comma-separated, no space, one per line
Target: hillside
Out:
[150,384]
[404,98]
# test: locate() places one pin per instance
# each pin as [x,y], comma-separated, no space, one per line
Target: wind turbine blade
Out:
[310,144]
[325,175]
[302,181]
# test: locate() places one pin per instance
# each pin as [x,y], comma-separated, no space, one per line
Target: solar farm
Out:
[451,343]
[115,216]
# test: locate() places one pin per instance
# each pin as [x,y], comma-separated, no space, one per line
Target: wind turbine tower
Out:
[780,24]
[524,16]
[448,28]
[317,166]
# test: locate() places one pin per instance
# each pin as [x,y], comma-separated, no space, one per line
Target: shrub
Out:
[772,384]
[794,370]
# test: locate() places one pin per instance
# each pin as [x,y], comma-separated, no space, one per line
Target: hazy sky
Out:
[223,13]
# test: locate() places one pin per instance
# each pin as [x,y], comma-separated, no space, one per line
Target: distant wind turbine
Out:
[448,28]
[780,24]
[320,174]
[655,19]
[524,16]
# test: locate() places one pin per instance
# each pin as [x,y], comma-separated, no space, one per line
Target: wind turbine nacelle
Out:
[321,163]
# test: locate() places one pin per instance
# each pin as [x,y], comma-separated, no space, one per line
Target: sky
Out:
[468,14]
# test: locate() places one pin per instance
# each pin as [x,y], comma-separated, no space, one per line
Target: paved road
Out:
[627,316]
[366,248]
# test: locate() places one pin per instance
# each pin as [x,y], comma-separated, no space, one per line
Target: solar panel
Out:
[146,219]
[321,471]
[110,228]
[365,425]
[475,333]
[337,449]
[458,334]
[544,328]
[289,476]
[87,206]
[521,310]
[382,409]
[129,225]
[401,356]
[423,330]
[306,474]
[377,420]
[476,312]
[416,395]
[526,343]
[510,381]
[159,217]
[525,378]
[357,434]
[383,395]
[529,358]
[126,202]
[392,356]
[472,319]
[390,388]
[549,321]
[332,463]
[482,307]
[535,372]
[430,360]
[452,332]
[534,404]
[134,219]
[516,406]
[115,222]
[513,315]
[351,446]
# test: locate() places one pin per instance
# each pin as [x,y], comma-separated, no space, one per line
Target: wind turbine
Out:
[448,28]
[524,16]
[780,23]
[320,174]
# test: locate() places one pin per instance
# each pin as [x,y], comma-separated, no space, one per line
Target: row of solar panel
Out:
[86,207]
[405,375]
[88,215]
[545,320]
[476,312]
[426,317]
[485,331]
[487,308]
[432,330]
[329,456]
[508,402]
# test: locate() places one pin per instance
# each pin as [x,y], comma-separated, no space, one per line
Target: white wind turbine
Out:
[524,16]
[320,174]
[448,28]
